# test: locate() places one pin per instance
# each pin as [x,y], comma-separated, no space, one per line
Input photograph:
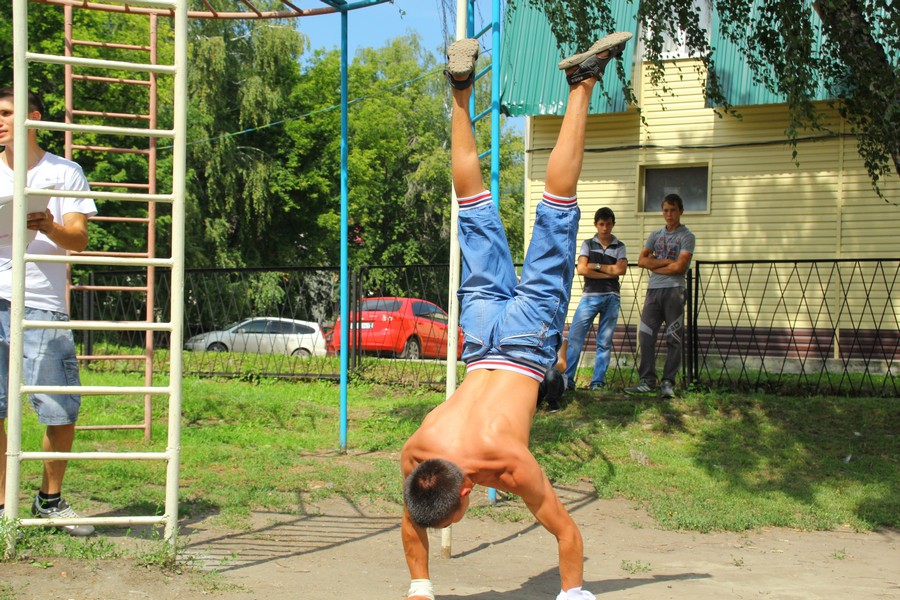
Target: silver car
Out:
[263,335]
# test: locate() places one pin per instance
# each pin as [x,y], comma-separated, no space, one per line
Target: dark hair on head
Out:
[673,199]
[34,101]
[604,213]
[431,491]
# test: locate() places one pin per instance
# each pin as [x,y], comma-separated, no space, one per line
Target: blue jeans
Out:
[607,306]
[49,360]
[509,324]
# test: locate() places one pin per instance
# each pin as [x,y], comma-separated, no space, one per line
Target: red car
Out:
[403,327]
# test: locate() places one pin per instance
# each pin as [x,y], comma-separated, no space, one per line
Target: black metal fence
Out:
[820,327]
[828,326]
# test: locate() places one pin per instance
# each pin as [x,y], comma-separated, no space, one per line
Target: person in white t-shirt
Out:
[49,353]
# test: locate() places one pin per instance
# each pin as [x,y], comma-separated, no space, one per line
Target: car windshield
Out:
[382,304]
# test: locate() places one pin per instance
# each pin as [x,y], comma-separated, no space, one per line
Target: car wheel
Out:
[412,350]
[217,347]
[301,352]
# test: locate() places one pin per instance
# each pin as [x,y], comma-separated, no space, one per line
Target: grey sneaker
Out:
[641,389]
[63,511]
[588,64]
[461,57]
[667,389]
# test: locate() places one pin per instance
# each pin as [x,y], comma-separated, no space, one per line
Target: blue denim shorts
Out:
[515,324]
[49,360]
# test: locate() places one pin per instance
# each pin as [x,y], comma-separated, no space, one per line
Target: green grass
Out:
[702,462]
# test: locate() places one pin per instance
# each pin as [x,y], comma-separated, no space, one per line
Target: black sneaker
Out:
[63,511]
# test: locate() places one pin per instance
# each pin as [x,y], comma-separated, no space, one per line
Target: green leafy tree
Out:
[858,59]
[45,35]
[398,165]
[263,186]
[241,79]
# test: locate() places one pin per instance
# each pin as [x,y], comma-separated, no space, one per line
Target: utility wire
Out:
[311,113]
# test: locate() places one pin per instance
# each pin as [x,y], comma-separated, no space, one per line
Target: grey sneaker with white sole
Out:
[63,511]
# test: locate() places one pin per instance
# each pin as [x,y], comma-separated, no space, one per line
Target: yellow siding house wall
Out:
[762,204]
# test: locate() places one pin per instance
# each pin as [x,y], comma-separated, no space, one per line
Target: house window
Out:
[677,46]
[691,183]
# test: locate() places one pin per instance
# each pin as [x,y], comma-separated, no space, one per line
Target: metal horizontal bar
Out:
[100,63]
[119,254]
[121,184]
[106,427]
[109,149]
[114,45]
[41,522]
[95,195]
[95,390]
[169,4]
[112,357]
[108,288]
[102,129]
[481,115]
[122,80]
[118,220]
[132,9]
[94,455]
[76,259]
[110,115]
[100,325]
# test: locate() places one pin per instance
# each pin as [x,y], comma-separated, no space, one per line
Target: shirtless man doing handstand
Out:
[479,436]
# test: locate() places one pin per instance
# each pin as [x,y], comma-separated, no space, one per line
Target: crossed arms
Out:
[664,266]
[588,269]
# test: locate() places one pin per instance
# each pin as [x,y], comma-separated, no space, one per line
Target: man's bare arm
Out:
[545,505]
[72,235]
[646,260]
[675,267]
[415,545]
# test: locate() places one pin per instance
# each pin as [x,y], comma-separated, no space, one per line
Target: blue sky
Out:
[375,25]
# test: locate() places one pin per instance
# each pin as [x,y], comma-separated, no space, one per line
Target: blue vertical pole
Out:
[345,216]
[495,102]
[470,32]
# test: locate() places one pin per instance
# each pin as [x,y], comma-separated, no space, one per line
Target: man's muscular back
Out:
[483,428]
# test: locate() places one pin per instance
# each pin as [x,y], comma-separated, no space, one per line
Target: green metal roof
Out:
[734,73]
[530,82]
[531,85]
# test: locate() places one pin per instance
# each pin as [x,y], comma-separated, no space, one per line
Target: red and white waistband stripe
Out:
[470,202]
[560,202]
[503,364]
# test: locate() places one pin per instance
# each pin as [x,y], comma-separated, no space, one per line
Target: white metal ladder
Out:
[178,10]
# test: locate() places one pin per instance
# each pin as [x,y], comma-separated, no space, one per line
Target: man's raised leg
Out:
[488,276]
[582,71]
[466,167]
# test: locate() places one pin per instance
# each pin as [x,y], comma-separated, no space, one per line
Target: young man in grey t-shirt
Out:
[667,255]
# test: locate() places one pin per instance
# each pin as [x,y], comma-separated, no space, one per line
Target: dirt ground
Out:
[340,550]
